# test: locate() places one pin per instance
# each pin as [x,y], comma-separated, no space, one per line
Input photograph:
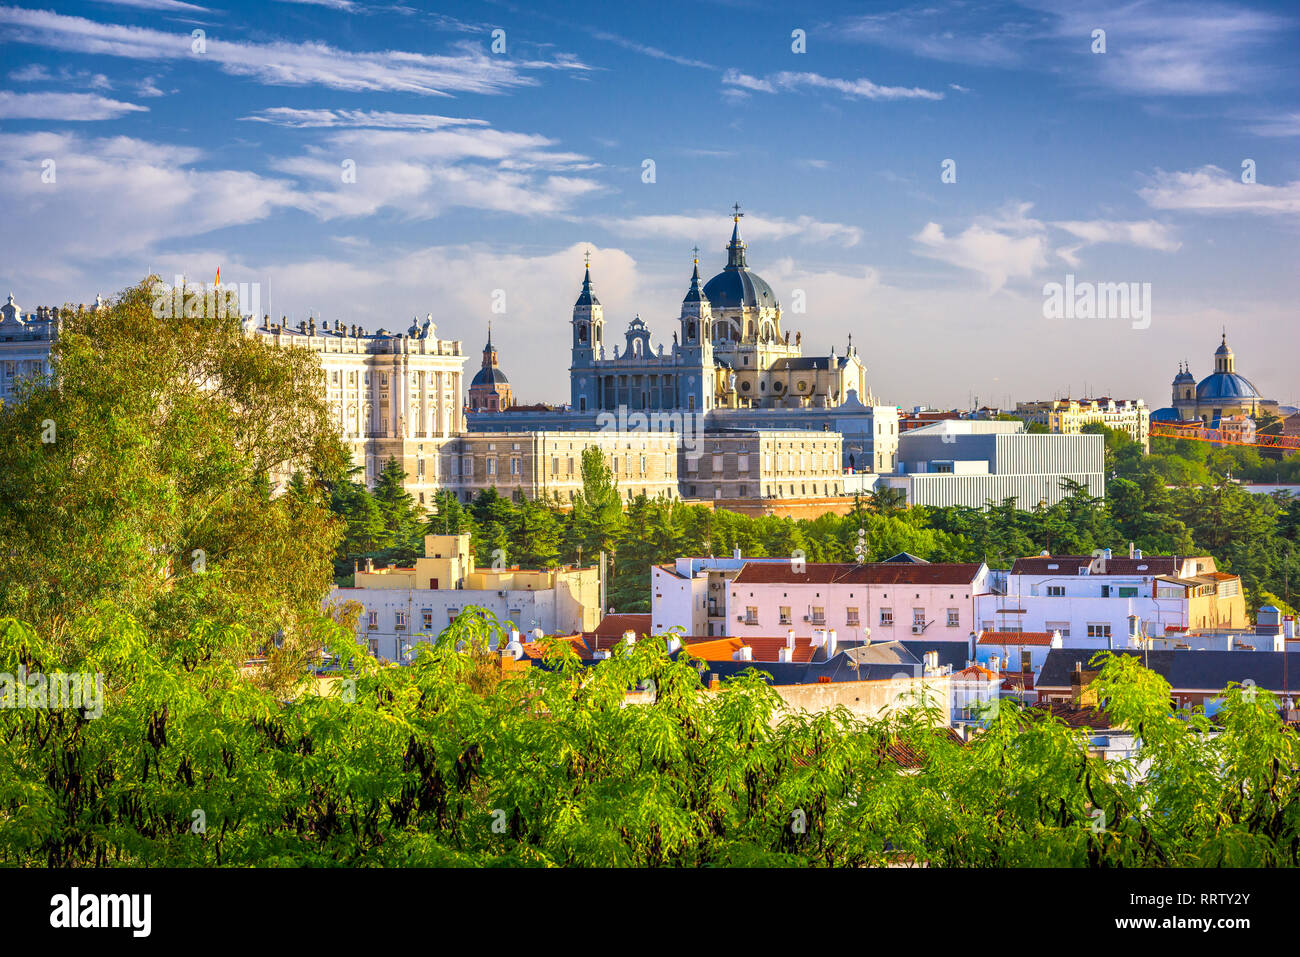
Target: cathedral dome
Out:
[736,286]
[489,375]
[1225,385]
[739,287]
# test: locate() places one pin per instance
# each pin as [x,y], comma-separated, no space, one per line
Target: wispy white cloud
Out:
[76,107]
[1011,244]
[999,250]
[1287,124]
[704,225]
[103,183]
[1160,47]
[860,89]
[421,174]
[469,70]
[172,6]
[1143,234]
[375,119]
[1211,190]
[346,5]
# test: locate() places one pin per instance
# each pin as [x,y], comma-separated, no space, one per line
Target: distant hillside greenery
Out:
[1202,513]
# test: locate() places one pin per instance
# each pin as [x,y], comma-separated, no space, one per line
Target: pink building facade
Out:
[882,601]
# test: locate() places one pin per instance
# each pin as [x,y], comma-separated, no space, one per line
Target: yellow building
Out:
[1069,416]
[402,607]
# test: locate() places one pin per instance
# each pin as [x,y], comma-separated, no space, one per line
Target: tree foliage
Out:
[445,762]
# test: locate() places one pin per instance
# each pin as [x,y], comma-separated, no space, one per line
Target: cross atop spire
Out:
[736,209]
[695,250]
[586,259]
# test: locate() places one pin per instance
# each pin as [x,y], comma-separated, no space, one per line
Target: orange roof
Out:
[535,649]
[1042,638]
[765,649]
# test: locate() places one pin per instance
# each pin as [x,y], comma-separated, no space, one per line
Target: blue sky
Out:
[479,170]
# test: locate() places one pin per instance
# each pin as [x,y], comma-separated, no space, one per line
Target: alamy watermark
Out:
[688,425]
[1098,300]
[205,300]
[53,692]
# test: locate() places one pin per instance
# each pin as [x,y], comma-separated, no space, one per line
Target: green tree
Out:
[138,476]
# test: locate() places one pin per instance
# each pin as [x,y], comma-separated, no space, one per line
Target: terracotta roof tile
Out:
[1043,638]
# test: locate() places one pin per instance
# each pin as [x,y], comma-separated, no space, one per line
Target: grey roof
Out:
[736,286]
[694,294]
[490,375]
[1185,670]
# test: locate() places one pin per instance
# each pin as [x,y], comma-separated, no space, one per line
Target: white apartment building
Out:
[903,598]
[1097,601]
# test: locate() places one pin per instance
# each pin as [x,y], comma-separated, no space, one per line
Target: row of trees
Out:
[445,763]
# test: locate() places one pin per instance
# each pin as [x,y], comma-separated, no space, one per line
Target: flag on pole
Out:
[217,282]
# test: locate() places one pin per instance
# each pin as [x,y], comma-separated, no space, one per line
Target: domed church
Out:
[490,390]
[729,352]
[1223,393]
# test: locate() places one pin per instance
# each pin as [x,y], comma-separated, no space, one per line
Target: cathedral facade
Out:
[728,352]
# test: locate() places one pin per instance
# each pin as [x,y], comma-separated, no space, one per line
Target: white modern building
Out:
[971,462]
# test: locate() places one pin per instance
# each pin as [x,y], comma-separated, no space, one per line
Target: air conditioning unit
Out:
[918,629]
[807,618]
[740,618]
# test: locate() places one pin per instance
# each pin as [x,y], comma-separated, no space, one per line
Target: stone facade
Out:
[25,343]
[730,352]
[393,394]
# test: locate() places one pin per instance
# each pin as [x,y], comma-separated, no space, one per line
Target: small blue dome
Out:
[1226,385]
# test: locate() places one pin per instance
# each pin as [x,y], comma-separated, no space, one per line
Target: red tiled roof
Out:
[874,573]
[1018,680]
[1070,565]
[615,625]
[772,573]
[1042,638]
[534,649]
[1078,717]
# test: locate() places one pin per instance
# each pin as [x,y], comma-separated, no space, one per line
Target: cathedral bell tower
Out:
[588,341]
[694,352]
